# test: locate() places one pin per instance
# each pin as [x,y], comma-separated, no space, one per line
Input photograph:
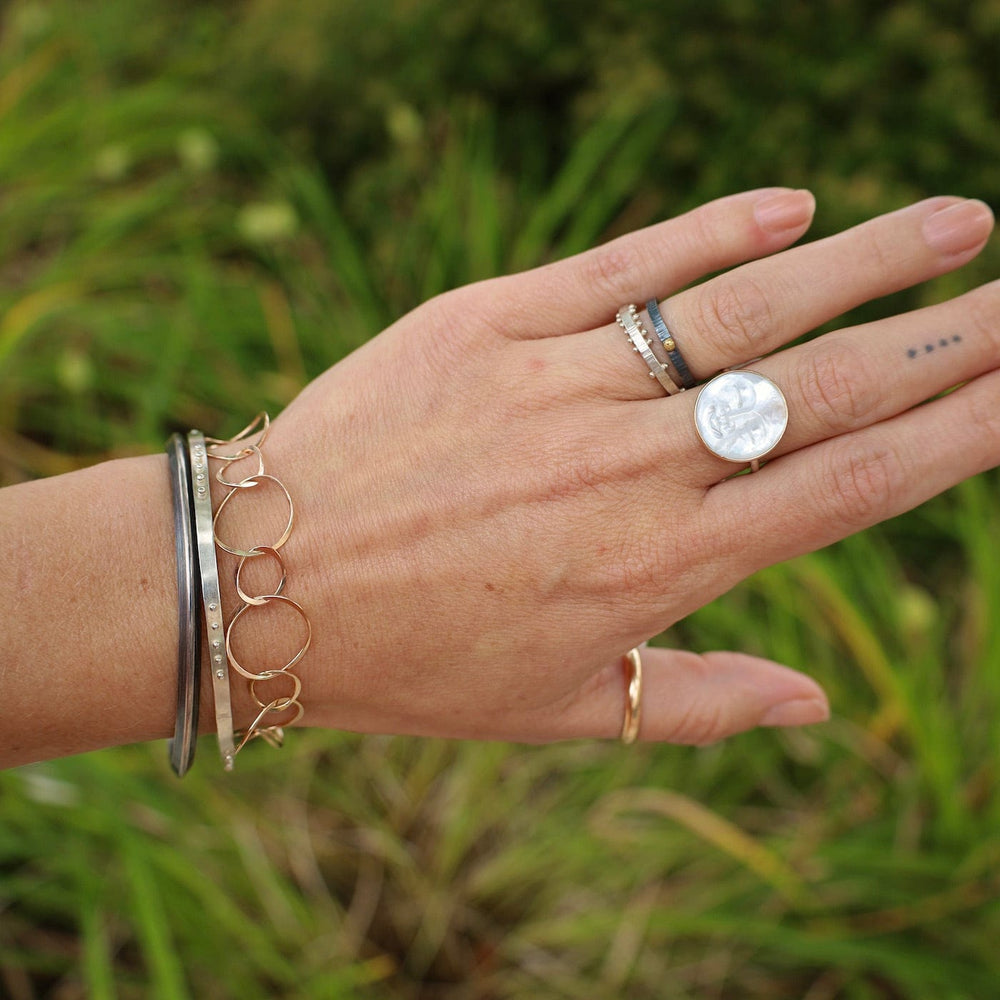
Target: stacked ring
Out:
[740,415]
[670,346]
[629,321]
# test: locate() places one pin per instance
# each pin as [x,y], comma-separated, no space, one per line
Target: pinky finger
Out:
[698,699]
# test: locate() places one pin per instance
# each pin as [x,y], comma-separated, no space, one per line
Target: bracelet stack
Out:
[275,691]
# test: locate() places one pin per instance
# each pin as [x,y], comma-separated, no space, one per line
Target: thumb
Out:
[699,698]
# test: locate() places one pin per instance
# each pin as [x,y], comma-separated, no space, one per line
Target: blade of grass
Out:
[710,827]
[164,964]
[98,968]
[559,204]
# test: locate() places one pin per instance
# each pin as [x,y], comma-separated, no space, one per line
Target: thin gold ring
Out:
[632,668]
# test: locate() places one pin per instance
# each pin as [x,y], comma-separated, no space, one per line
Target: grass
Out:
[184,239]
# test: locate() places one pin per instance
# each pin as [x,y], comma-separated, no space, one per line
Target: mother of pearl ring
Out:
[740,416]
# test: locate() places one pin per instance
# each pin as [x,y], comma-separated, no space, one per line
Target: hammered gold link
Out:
[245,482]
[238,667]
[274,735]
[261,550]
[256,433]
[262,418]
[284,702]
[239,489]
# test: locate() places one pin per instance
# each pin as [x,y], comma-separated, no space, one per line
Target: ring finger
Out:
[851,379]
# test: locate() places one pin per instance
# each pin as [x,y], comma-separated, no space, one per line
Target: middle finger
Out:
[756,308]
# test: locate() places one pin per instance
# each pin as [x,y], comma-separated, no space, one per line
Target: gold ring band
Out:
[632,668]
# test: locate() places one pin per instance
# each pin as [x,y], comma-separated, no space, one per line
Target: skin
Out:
[494,501]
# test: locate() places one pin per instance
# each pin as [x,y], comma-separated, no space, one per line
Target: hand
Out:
[495,501]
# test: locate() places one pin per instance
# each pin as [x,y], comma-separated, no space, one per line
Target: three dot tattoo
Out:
[914,352]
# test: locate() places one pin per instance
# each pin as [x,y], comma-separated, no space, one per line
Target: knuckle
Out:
[706,227]
[883,251]
[457,315]
[984,415]
[833,387]
[982,308]
[439,316]
[738,313]
[703,719]
[858,484]
[699,726]
[614,269]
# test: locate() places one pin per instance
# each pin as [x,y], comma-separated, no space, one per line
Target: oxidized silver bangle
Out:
[211,599]
[669,345]
[628,320]
[181,748]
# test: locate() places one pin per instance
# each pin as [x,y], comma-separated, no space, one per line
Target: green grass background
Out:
[203,205]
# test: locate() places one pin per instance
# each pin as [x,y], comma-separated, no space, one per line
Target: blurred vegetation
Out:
[202,205]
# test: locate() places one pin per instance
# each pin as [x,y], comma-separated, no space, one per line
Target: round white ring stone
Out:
[740,415]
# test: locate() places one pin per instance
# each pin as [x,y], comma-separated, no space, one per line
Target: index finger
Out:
[581,292]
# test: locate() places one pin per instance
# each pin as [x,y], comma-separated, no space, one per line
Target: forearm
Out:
[89,655]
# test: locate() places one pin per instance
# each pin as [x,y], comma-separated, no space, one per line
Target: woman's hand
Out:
[495,501]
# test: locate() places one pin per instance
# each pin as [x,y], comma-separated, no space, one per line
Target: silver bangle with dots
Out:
[211,598]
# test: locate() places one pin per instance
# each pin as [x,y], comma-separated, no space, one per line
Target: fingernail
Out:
[958,228]
[800,712]
[777,213]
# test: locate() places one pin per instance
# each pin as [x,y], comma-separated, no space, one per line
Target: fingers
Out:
[847,380]
[823,493]
[851,379]
[757,308]
[698,699]
[584,291]
[844,381]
